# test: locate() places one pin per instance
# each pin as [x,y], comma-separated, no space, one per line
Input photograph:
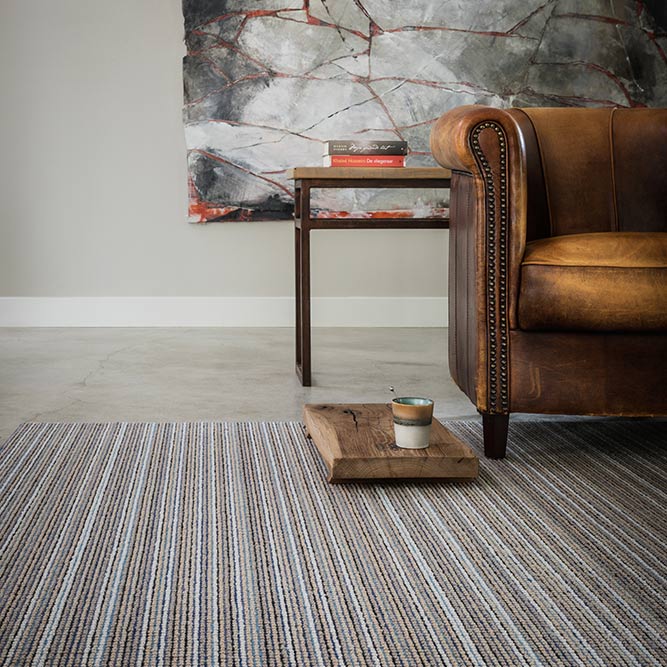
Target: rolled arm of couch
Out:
[450,136]
[485,150]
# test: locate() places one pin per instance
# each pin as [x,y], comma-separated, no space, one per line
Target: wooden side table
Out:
[307,178]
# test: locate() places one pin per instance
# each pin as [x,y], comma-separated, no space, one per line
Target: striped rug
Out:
[221,544]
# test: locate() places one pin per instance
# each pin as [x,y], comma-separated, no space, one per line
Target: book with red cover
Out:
[364,160]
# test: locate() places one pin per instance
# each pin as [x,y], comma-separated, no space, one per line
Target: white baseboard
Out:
[219,311]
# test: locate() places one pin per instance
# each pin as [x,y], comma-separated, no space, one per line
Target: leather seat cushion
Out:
[605,281]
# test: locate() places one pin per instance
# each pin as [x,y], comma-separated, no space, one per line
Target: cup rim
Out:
[412,400]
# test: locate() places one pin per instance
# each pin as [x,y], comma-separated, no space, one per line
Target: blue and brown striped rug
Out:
[221,544]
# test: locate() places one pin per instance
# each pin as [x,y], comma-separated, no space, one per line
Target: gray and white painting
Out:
[267,82]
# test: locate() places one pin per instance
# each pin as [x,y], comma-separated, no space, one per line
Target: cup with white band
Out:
[412,421]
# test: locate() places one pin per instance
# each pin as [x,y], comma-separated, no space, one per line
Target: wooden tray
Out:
[356,442]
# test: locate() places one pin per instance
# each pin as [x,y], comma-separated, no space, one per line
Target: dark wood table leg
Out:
[297,275]
[302,280]
[304,288]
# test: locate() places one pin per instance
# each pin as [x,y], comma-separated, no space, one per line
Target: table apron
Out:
[413,183]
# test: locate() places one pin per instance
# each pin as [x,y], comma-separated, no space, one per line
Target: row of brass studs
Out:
[496,269]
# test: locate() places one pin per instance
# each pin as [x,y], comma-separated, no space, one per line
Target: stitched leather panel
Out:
[462,280]
[594,374]
[621,249]
[576,159]
[640,165]
[537,211]
[614,281]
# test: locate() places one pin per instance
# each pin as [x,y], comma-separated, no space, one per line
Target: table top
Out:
[378,173]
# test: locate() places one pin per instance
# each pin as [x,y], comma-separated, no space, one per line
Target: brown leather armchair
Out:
[557,261]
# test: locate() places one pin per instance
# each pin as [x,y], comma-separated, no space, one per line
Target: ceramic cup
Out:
[412,421]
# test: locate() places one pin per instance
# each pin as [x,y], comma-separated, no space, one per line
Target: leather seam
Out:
[594,266]
[454,310]
[612,167]
[543,166]
[468,364]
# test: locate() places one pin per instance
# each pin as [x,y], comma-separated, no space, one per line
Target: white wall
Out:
[93,175]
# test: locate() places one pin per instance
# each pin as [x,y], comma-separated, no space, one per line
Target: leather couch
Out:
[557,261]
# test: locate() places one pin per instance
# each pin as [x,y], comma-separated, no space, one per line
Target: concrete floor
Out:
[212,374]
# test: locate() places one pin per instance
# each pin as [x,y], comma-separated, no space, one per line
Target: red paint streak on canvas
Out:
[483,33]
[652,37]
[525,20]
[312,20]
[639,5]
[395,214]
[593,17]
[205,212]
[617,80]
[250,14]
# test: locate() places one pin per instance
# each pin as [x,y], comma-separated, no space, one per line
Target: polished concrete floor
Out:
[212,374]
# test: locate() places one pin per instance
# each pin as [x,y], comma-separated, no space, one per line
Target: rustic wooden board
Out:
[356,442]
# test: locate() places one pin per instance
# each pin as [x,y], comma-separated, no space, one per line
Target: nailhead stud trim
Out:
[496,276]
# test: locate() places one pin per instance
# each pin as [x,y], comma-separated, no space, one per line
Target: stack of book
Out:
[343,153]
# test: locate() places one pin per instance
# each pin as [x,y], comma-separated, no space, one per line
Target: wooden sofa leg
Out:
[495,435]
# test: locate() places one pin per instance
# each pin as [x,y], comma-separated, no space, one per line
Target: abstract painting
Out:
[268,82]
